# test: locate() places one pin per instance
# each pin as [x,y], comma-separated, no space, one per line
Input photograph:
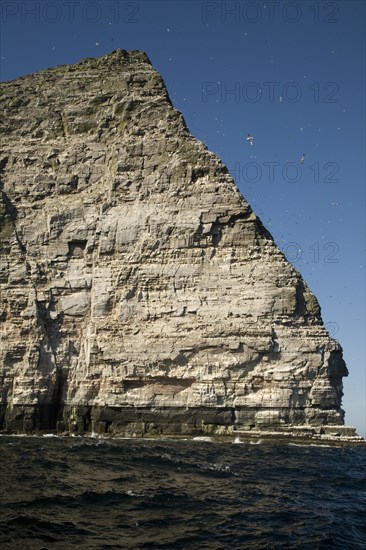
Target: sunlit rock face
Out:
[140,294]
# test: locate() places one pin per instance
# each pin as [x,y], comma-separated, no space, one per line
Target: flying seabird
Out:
[250,139]
[302,158]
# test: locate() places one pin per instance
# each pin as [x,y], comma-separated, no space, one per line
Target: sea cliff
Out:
[140,294]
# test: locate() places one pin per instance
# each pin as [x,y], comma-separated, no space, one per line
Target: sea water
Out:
[89,493]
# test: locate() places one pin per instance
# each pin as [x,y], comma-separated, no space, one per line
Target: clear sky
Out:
[292,74]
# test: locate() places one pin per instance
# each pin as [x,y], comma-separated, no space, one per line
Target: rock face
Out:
[139,292]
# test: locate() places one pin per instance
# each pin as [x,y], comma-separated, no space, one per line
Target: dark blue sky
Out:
[290,73]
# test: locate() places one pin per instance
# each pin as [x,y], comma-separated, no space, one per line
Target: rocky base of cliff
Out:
[243,424]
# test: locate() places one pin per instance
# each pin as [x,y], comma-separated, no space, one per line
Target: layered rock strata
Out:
[139,291]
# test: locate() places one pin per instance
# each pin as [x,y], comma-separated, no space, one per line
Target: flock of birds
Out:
[250,140]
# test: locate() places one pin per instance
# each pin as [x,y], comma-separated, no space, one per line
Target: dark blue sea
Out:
[85,493]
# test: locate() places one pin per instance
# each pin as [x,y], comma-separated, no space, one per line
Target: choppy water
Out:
[96,494]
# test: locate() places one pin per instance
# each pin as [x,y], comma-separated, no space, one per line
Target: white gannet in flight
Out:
[250,139]
[302,158]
